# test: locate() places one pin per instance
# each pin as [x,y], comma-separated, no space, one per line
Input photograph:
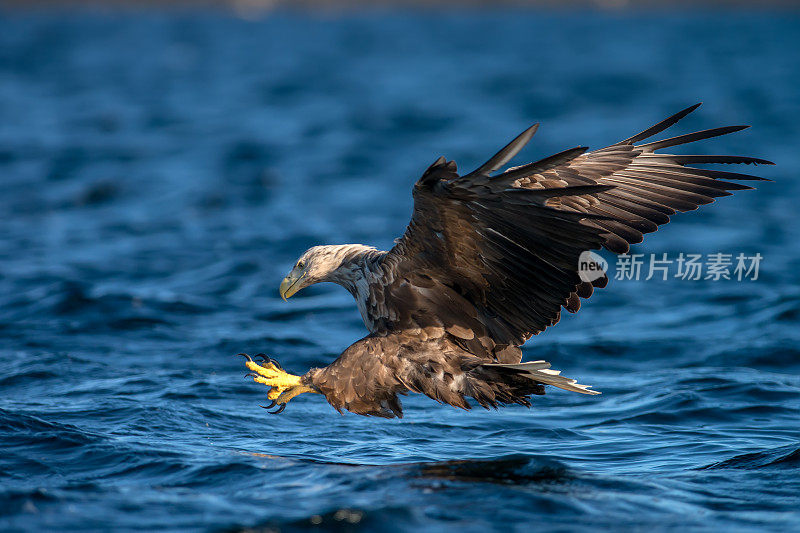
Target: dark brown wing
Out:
[508,244]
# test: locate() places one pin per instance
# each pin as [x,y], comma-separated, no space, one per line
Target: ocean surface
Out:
[161,172]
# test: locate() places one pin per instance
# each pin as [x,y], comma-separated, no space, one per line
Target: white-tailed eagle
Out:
[487,261]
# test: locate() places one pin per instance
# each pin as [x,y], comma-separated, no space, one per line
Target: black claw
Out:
[270,406]
[250,375]
[261,357]
[274,362]
[279,410]
[245,355]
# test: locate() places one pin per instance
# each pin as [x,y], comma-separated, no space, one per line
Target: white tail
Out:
[541,372]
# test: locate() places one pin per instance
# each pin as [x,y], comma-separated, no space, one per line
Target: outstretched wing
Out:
[507,245]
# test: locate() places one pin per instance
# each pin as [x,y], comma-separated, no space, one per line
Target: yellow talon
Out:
[273,376]
[283,386]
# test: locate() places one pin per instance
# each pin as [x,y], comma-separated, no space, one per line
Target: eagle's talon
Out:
[261,357]
[282,385]
[245,355]
[278,410]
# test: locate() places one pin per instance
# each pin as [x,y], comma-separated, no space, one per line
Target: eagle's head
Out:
[336,263]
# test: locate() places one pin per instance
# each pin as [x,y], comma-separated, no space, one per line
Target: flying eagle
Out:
[487,261]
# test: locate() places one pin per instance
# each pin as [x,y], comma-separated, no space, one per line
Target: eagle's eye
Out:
[301,265]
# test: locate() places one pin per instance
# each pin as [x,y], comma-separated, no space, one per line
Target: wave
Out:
[782,457]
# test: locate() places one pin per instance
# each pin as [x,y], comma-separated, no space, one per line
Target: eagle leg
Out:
[283,386]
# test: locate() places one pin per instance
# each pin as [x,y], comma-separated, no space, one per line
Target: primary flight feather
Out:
[488,260]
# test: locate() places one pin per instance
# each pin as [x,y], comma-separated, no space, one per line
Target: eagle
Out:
[489,260]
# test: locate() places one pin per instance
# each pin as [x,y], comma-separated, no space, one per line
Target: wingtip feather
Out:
[508,152]
[660,126]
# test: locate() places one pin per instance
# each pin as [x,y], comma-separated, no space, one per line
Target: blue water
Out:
[159,173]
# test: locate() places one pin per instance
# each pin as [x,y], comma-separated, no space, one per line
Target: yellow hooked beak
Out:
[290,285]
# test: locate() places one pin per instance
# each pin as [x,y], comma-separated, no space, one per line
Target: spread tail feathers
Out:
[541,372]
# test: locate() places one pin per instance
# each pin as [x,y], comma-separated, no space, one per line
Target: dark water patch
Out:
[264,341]
[146,469]
[137,322]
[15,501]
[785,457]
[308,312]
[511,470]
[25,430]
[340,520]
[24,377]
[221,475]
[97,193]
